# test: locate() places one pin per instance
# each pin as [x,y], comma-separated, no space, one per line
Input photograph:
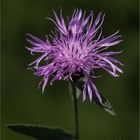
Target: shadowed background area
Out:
[22,102]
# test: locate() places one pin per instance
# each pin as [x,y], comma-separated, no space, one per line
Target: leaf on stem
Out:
[105,103]
[78,91]
[41,132]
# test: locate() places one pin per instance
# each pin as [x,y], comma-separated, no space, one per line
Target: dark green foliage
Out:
[41,132]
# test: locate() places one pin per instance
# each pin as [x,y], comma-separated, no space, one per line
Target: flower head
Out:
[75,50]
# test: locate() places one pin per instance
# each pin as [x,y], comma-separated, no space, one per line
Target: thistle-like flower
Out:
[76,50]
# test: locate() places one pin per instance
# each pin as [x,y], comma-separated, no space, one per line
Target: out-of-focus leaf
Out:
[79,87]
[105,103]
[41,132]
[78,92]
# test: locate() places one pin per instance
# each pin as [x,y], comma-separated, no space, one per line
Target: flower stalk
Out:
[75,107]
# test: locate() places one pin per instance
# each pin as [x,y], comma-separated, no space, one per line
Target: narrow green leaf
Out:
[78,92]
[41,132]
[105,103]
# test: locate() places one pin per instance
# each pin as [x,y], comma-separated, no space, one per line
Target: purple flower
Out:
[76,50]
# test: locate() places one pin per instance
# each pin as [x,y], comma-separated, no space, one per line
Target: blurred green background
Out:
[22,102]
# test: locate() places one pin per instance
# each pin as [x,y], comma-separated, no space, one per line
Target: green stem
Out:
[75,106]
